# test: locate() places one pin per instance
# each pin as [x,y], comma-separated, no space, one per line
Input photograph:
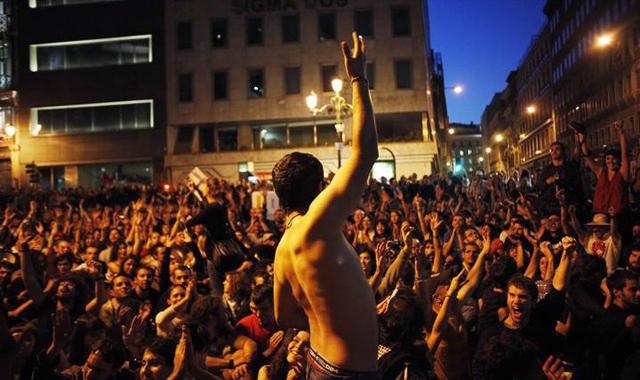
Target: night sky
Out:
[481,41]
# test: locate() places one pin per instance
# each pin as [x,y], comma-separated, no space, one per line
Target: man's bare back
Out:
[334,295]
[317,274]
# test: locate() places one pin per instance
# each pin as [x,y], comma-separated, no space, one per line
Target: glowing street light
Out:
[10,130]
[312,100]
[458,89]
[531,109]
[499,137]
[35,129]
[604,40]
[336,85]
[487,150]
[452,131]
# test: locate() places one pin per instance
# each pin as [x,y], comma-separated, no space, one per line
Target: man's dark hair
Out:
[206,310]
[635,247]
[296,178]
[262,293]
[144,267]
[502,270]
[113,353]
[524,283]
[507,356]
[617,280]
[164,348]
[402,321]
[561,145]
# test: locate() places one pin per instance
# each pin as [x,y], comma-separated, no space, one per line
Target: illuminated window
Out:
[69,55]
[94,117]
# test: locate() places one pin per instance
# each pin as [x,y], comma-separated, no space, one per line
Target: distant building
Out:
[238,73]
[583,65]
[464,148]
[7,95]
[91,91]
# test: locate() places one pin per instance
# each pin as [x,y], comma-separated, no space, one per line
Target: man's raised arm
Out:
[341,197]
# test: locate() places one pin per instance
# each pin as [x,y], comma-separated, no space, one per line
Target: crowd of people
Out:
[500,276]
[475,277]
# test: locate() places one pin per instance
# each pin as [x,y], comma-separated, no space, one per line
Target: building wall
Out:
[244,113]
[91,85]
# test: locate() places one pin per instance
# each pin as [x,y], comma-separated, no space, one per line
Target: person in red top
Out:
[260,325]
[613,180]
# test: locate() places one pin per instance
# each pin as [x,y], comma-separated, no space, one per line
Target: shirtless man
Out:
[317,274]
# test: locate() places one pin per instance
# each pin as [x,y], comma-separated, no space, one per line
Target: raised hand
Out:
[354,59]
[407,235]
[436,223]
[274,343]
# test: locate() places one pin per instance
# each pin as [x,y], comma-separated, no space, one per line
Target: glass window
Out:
[97,117]
[274,137]
[184,139]
[90,53]
[371,75]
[185,87]
[363,22]
[256,83]
[401,21]
[290,28]
[185,37]
[403,74]
[327,26]
[207,139]
[327,135]
[220,85]
[219,33]
[227,139]
[301,136]
[292,80]
[399,127]
[329,73]
[255,30]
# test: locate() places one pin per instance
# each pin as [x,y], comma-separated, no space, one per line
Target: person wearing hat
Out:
[601,237]
[613,179]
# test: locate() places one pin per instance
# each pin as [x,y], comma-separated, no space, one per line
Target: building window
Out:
[371,75]
[219,33]
[292,80]
[184,139]
[185,87]
[401,21]
[256,83]
[403,74]
[301,136]
[327,26]
[329,73]
[185,35]
[207,139]
[273,137]
[220,85]
[96,117]
[290,28]
[363,22]
[91,53]
[55,3]
[227,139]
[255,30]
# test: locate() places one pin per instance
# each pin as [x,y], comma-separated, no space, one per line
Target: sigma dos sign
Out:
[261,6]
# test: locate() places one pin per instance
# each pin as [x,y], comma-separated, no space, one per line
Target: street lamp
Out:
[604,40]
[499,137]
[531,109]
[457,89]
[487,150]
[452,131]
[10,130]
[336,104]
